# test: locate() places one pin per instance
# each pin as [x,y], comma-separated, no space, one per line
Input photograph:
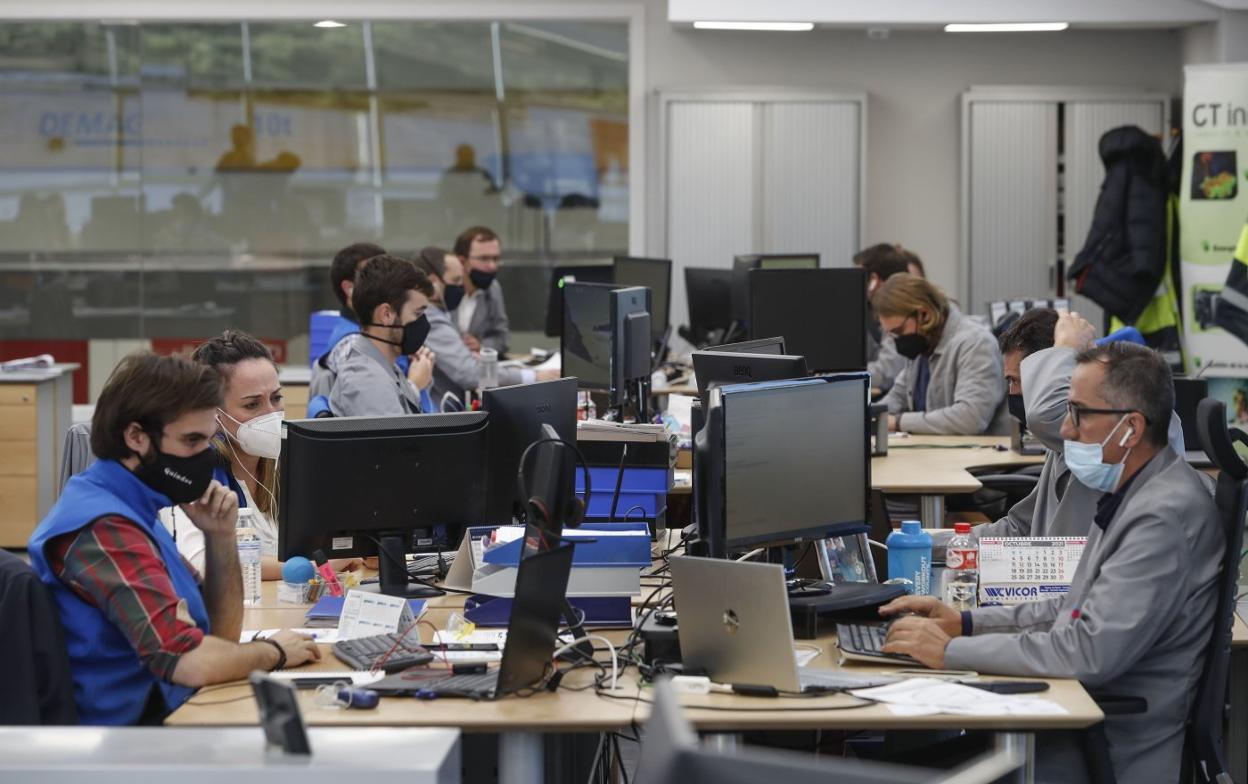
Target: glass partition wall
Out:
[160,182]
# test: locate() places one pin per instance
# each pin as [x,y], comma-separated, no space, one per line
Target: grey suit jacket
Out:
[489,321]
[1137,620]
[363,382]
[886,365]
[456,368]
[966,389]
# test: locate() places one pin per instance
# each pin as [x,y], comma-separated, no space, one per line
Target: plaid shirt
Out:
[113,565]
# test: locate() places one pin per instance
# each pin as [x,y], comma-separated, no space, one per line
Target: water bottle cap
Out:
[911,527]
[961,528]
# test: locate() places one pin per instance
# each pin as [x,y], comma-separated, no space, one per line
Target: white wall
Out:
[914,80]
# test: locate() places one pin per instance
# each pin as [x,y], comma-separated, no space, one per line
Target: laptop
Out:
[734,625]
[1188,392]
[532,635]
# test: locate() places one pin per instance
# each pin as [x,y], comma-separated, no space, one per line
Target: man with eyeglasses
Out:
[1138,617]
[1039,351]
[482,314]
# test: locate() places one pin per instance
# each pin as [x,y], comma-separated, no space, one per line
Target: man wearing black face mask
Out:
[143,628]
[457,368]
[390,298]
[482,314]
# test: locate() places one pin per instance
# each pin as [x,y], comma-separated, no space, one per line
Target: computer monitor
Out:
[708,292]
[761,346]
[656,275]
[517,414]
[743,264]
[583,273]
[605,342]
[355,486]
[783,462]
[714,368]
[822,314]
[1188,392]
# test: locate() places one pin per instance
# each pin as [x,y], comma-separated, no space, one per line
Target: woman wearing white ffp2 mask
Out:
[248,441]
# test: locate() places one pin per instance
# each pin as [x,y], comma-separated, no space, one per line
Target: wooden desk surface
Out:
[561,711]
[938,464]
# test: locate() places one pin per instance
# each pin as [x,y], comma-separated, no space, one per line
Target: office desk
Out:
[934,466]
[36,408]
[520,722]
[930,467]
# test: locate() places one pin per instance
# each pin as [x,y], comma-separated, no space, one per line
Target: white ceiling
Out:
[923,13]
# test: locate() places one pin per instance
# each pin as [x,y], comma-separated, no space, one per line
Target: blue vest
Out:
[111,685]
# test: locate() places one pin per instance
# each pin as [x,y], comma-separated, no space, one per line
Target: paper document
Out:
[805,655]
[356,677]
[920,696]
[365,614]
[476,637]
[326,636]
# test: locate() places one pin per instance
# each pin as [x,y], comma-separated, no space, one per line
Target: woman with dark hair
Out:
[247,444]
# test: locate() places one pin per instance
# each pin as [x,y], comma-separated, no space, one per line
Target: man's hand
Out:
[920,638]
[299,648]
[1073,331]
[346,564]
[473,344]
[216,513]
[547,375]
[420,371]
[893,423]
[926,607]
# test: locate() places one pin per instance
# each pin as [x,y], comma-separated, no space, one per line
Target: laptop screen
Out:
[533,627]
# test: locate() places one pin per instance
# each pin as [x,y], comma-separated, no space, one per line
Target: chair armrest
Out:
[1008,481]
[1118,704]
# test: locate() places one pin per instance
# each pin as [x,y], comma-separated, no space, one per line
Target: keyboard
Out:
[363,653]
[428,563]
[479,685]
[866,640]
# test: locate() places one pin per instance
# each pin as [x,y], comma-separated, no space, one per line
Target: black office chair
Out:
[1204,759]
[38,688]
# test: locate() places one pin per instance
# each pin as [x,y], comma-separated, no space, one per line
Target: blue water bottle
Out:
[910,557]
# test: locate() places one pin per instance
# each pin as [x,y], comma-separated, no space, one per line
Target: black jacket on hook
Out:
[1124,257]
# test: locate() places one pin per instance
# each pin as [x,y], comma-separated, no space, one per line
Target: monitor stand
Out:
[392,577]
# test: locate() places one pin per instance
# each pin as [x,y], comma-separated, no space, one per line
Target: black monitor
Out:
[584,273]
[708,292]
[605,342]
[656,275]
[760,346]
[783,462]
[517,414]
[822,314]
[743,264]
[714,368]
[1188,392]
[356,486]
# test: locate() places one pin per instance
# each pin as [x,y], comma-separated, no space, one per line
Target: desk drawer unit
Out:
[32,428]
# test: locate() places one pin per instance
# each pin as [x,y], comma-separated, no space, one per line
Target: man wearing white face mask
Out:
[247,444]
[1138,616]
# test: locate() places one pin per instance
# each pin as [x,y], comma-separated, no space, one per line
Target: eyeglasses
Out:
[1075,411]
[898,331]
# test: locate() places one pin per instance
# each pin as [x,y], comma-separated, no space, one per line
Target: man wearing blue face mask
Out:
[1139,613]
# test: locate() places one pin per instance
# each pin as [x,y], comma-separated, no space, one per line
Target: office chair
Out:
[76,456]
[38,686]
[1204,759]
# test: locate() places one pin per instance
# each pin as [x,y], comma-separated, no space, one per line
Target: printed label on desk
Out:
[1026,568]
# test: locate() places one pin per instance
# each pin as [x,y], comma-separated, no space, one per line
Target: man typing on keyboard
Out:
[1138,616]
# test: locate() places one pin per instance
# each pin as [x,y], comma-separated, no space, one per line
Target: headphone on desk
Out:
[534,506]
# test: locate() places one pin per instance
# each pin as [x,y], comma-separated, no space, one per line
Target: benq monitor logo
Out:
[742,370]
[544,408]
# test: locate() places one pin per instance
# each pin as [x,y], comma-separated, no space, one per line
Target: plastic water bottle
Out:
[961,569]
[910,557]
[248,558]
[489,368]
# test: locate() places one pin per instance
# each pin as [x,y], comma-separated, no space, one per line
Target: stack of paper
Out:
[926,696]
